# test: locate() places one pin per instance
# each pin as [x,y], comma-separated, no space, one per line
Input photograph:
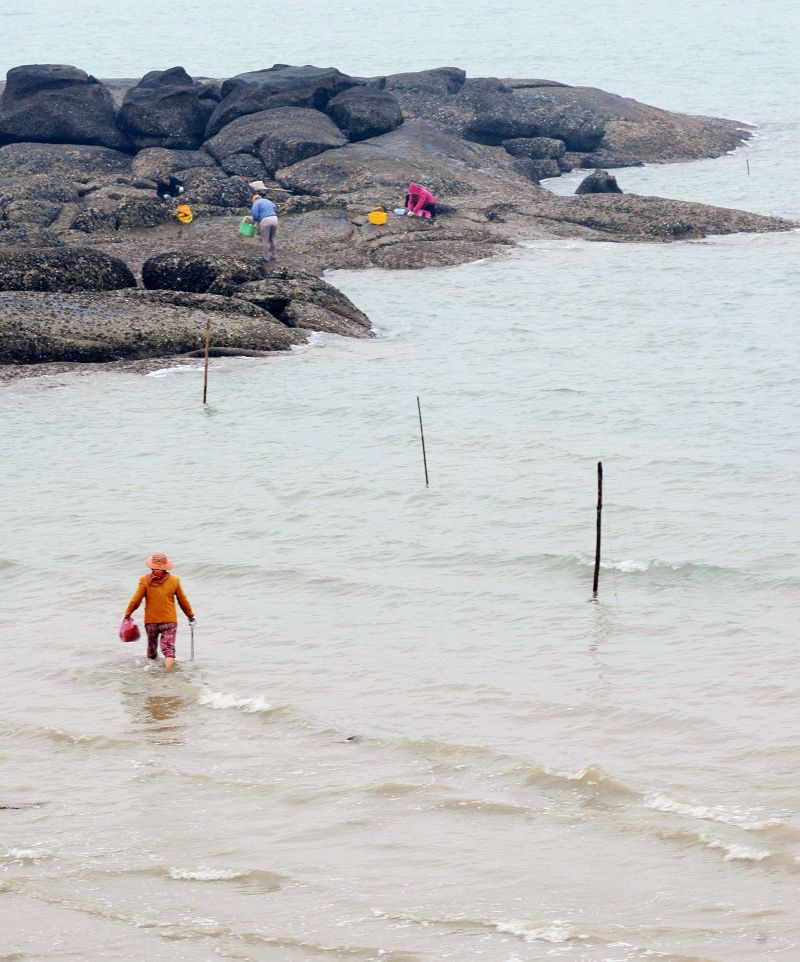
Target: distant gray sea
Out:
[409,734]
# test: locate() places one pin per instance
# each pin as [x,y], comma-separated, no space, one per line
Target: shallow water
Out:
[409,733]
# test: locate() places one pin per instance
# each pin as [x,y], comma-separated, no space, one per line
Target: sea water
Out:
[409,733]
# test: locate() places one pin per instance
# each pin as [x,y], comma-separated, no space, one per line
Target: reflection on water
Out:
[157,714]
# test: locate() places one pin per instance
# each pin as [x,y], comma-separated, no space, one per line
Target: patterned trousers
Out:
[167,630]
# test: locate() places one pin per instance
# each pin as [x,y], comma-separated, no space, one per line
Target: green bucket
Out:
[249,230]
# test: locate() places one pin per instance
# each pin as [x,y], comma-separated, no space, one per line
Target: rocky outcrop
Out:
[535,148]
[600,182]
[279,86]
[56,104]
[39,328]
[382,167]
[299,299]
[277,138]
[198,273]
[364,112]
[62,269]
[165,110]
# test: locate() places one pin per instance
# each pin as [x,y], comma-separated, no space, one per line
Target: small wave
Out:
[711,813]
[592,777]
[221,699]
[481,807]
[25,855]
[61,736]
[735,853]
[555,931]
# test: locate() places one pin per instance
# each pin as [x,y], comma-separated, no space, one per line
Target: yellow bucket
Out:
[377,217]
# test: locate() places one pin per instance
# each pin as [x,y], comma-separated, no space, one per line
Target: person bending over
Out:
[420,202]
[265,215]
[169,187]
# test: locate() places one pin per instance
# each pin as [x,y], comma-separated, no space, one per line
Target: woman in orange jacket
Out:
[160,589]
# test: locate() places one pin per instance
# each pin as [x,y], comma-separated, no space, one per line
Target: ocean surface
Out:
[409,734]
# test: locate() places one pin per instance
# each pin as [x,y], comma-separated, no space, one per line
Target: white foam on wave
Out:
[221,699]
[711,813]
[554,932]
[177,369]
[25,855]
[205,874]
[733,852]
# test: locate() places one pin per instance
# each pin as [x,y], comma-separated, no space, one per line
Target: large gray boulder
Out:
[439,82]
[600,182]
[278,138]
[67,269]
[165,110]
[278,86]
[132,324]
[58,104]
[364,112]
[302,300]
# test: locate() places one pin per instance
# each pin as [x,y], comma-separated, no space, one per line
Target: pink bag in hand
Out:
[128,630]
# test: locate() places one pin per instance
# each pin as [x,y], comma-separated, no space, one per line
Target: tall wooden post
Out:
[599,514]
[205,372]
[422,438]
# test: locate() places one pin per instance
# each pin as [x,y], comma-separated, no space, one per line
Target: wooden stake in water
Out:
[748,167]
[205,373]
[599,513]
[422,438]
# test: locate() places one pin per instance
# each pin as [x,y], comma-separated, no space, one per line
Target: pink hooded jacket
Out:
[418,197]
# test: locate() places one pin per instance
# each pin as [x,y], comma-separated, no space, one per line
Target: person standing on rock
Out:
[169,187]
[265,214]
[159,590]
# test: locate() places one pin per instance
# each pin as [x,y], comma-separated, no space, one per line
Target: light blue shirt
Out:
[263,208]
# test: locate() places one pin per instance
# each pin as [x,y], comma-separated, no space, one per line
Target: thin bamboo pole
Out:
[422,438]
[205,372]
[597,541]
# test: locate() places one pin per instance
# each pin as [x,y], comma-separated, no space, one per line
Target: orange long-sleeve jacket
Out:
[159,603]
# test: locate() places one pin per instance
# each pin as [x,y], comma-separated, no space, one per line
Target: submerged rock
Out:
[300,299]
[600,182]
[62,269]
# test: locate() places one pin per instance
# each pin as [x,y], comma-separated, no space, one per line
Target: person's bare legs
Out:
[169,664]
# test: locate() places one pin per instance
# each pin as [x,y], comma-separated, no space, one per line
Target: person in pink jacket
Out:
[420,201]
